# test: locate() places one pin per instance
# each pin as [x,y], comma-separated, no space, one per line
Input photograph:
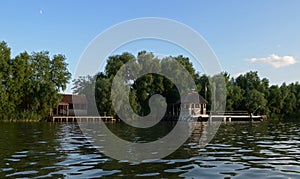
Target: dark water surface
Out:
[239,150]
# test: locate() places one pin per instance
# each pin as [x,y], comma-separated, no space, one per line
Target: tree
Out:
[255,101]
[102,95]
[7,106]
[30,84]
[204,89]
[234,97]
[295,89]
[142,88]
[246,92]
[21,73]
[59,74]
[275,102]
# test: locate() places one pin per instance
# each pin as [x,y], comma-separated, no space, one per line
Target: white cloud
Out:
[276,60]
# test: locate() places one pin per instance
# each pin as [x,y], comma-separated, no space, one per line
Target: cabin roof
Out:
[73,99]
[192,98]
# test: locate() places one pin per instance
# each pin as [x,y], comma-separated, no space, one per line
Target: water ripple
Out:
[239,150]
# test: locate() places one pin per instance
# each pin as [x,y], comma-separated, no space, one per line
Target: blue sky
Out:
[260,35]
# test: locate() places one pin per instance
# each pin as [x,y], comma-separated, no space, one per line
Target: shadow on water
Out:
[243,150]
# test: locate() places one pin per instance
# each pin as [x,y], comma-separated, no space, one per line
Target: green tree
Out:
[7,106]
[20,79]
[295,89]
[102,94]
[255,101]
[30,84]
[246,92]
[252,87]
[275,102]
[234,97]
[288,98]
[204,89]
[142,88]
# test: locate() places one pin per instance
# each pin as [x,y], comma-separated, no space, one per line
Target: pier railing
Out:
[81,119]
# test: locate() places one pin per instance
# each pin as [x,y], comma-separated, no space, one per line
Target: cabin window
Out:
[193,105]
[196,105]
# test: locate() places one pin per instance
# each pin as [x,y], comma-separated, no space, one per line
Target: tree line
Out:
[30,83]
[250,92]
[247,92]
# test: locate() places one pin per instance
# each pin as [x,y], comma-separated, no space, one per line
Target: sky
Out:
[256,35]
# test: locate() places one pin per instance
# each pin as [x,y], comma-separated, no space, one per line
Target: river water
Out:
[239,150]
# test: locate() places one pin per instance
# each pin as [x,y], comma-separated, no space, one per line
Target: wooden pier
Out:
[81,119]
[231,117]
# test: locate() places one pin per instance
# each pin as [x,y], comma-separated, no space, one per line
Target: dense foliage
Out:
[141,89]
[30,84]
[247,92]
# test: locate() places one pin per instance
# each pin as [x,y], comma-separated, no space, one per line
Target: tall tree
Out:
[7,106]
[30,84]
[255,101]
[275,102]
[21,73]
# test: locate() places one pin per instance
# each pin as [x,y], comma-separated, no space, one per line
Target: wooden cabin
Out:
[71,105]
[193,104]
[190,105]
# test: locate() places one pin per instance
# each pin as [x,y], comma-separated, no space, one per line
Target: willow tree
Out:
[142,88]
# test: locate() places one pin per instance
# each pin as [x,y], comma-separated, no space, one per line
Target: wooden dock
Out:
[229,116]
[81,119]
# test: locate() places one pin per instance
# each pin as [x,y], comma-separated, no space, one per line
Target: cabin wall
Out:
[78,112]
[70,110]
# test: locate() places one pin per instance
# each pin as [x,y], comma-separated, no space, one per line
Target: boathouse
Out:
[193,104]
[71,105]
